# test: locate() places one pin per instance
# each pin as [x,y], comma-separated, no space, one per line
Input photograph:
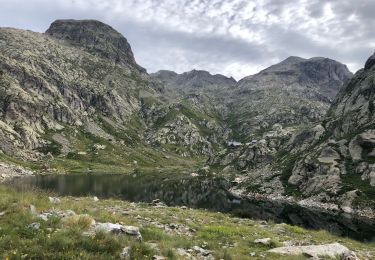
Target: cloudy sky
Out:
[233,37]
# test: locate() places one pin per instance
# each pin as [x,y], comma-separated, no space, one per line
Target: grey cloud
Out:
[182,35]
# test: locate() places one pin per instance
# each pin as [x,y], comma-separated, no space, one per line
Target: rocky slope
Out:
[293,92]
[328,163]
[47,84]
[340,164]
[266,110]
[73,96]
[192,117]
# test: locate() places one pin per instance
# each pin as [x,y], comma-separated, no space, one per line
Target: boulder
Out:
[118,229]
[125,253]
[32,209]
[263,241]
[54,200]
[328,250]
[158,257]
[355,150]
[34,225]
[57,214]
[328,155]
[201,251]
[350,255]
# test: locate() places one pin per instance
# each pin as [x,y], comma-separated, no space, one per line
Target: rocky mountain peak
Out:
[164,75]
[202,78]
[97,37]
[370,62]
[329,75]
[194,79]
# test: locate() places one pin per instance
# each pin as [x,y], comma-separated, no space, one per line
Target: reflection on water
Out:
[202,192]
[104,186]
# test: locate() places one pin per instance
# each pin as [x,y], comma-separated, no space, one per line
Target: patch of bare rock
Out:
[333,250]
[8,172]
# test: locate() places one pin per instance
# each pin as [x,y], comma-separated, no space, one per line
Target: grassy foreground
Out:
[163,229]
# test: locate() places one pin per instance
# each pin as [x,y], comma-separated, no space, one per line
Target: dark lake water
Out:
[199,192]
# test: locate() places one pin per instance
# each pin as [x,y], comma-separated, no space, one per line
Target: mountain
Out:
[193,110]
[330,161]
[97,38]
[339,166]
[195,80]
[74,99]
[292,92]
[265,110]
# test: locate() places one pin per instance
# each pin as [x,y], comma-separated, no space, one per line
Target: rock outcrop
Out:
[49,85]
[296,91]
[96,37]
[341,162]
[316,251]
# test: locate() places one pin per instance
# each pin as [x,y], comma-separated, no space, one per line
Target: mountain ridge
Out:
[74,99]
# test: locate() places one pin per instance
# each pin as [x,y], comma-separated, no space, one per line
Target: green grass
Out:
[227,237]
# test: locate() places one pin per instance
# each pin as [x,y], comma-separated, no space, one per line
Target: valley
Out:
[79,117]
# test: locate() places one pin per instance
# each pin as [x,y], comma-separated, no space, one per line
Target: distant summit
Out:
[327,74]
[97,37]
[194,79]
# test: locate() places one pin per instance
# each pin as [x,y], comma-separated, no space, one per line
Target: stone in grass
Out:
[158,257]
[118,229]
[201,251]
[183,252]
[34,225]
[33,209]
[350,255]
[57,214]
[263,241]
[328,250]
[54,200]
[125,253]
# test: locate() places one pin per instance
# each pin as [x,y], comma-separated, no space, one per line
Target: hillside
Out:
[339,166]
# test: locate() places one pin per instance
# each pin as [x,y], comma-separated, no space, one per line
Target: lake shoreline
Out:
[212,193]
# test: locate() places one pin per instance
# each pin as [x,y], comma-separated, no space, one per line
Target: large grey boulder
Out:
[328,250]
[118,229]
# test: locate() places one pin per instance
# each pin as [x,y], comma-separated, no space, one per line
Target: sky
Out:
[234,37]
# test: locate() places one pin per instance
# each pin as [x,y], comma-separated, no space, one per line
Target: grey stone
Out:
[34,225]
[54,200]
[125,253]
[328,250]
[263,241]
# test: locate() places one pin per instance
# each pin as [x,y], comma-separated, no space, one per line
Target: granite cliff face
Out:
[48,84]
[97,38]
[295,91]
[340,164]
